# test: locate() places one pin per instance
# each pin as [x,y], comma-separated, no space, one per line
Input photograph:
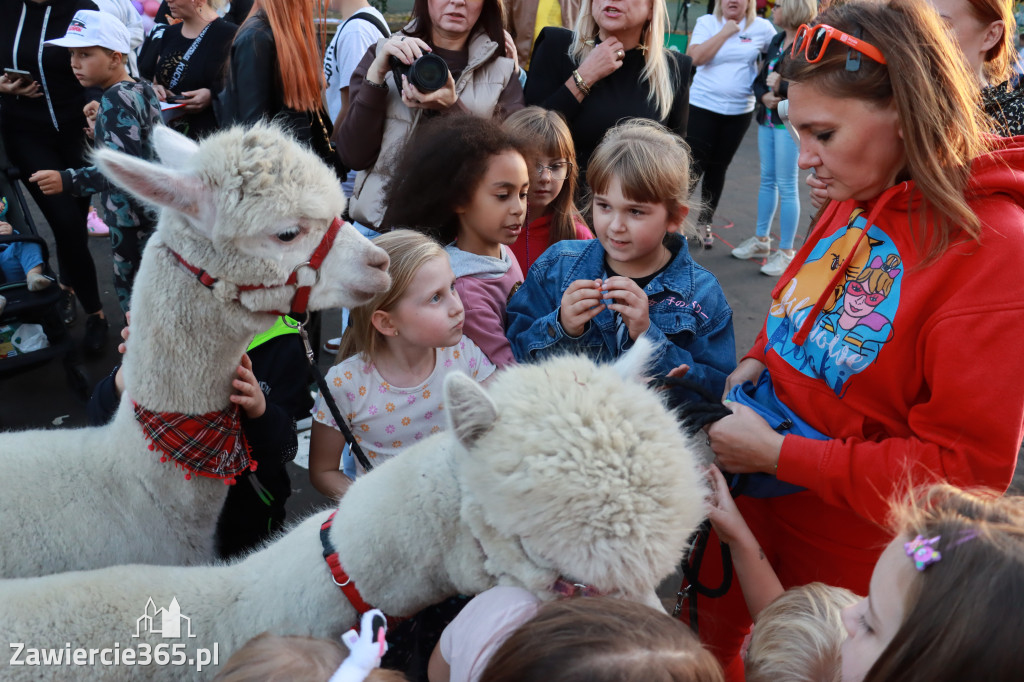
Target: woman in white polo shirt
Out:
[725,47]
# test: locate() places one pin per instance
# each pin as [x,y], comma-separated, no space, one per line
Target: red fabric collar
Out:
[210,445]
[301,298]
[340,577]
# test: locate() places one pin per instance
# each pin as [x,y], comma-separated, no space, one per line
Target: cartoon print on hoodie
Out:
[856,315]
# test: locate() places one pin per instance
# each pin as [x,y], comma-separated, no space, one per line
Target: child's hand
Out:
[250,396]
[723,513]
[580,303]
[5,228]
[49,181]
[91,110]
[629,301]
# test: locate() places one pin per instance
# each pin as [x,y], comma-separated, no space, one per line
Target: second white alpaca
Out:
[562,470]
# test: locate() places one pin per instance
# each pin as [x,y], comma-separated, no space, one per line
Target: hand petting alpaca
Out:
[250,396]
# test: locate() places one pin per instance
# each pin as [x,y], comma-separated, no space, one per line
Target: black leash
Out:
[325,391]
[695,414]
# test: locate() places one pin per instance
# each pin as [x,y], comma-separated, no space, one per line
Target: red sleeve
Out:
[966,431]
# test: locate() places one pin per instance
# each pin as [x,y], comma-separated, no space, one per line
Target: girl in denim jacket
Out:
[637,278]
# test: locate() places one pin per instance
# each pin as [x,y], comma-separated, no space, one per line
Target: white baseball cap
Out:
[90,28]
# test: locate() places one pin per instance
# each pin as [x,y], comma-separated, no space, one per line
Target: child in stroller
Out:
[19,260]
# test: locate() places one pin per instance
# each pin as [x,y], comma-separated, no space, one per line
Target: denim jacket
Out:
[690,318]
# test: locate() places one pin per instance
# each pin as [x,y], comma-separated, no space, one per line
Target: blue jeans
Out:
[17,258]
[779,176]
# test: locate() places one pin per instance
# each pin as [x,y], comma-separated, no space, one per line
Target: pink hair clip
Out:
[923,551]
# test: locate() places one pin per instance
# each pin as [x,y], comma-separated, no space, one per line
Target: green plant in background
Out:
[380,5]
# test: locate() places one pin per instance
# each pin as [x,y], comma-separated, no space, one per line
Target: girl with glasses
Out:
[551,214]
[894,333]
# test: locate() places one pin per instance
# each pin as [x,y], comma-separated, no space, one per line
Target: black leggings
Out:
[46,149]
[714,139]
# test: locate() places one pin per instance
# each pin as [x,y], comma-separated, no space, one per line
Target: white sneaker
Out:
[753,248]
[777,263]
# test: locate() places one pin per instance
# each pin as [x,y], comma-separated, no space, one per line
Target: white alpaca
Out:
[247,206]
[566,470]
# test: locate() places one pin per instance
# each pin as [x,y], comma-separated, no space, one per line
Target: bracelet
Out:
[379,86]
[581,84]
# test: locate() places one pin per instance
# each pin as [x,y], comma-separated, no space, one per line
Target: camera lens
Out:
[428,73]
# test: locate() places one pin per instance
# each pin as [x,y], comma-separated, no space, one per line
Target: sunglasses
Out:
[856,289]
[813,41]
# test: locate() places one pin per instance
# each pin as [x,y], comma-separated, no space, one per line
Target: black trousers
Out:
[46,149]
[713,139]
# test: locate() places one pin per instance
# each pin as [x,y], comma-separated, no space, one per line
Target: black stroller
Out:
[26,307]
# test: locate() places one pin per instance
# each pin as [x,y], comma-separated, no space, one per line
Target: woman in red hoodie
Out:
[891,345]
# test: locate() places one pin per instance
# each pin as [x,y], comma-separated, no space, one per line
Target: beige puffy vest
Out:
[478,87]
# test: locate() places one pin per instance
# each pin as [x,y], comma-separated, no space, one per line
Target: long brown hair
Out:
[490,22]
[963,619]
[936,99]
[408,250]
[599,639]
[298,47]
[545,130]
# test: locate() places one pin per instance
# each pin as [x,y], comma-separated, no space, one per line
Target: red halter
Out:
[301,298]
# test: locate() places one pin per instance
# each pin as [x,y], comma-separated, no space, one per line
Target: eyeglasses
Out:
[558,170]
[813,41]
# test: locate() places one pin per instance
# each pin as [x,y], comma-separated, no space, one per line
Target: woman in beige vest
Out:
[386,107]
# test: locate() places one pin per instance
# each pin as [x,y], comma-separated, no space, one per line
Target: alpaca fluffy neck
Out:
[185,343]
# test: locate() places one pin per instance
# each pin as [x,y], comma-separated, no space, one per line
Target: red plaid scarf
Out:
[210,444]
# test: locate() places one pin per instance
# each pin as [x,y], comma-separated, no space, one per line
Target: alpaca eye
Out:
[288,235]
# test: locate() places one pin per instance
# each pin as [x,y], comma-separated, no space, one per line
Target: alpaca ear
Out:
[174,149]
[471,412]
[154,183]
[633,364]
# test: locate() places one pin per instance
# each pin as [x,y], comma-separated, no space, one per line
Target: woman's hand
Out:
[749,369]
[627,299]
[49,181]
[20,88]
[603,60]
[405,48]
[730,28]
[439,100]
[196,100]
[510,49]
[819,191]
[580,303]
[772,81]
[161,92]
[770,100]
[744,443]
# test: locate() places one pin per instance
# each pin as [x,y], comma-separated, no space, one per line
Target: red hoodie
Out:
[875,349]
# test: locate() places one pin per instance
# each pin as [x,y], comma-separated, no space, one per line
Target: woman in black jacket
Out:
[42,126]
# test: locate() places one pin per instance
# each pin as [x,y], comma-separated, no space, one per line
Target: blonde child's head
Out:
[549,142]
[408,251]
[275,658]
[798,637]
[649,164]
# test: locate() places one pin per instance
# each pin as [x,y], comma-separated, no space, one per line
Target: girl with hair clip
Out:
[463,180]
[944,604]
[611,66]
[394,356]
[551,214]
[600,639]
[637,278]
[910,266]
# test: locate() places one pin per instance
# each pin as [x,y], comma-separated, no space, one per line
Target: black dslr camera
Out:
[428,73]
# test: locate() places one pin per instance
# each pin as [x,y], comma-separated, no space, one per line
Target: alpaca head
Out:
[249,205]
[576,470]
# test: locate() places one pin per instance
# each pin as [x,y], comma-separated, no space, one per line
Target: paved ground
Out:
[40,398]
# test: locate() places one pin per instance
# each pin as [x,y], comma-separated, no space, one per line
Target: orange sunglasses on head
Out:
[813,40]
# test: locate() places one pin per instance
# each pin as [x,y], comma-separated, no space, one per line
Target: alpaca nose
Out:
[378,259]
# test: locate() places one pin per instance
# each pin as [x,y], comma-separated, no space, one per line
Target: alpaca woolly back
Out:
[585,475]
